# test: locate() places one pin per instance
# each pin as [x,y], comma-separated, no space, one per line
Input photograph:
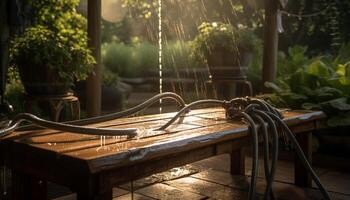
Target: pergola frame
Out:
[93,84]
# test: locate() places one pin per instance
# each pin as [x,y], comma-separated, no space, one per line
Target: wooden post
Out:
[270,43]
[93,83]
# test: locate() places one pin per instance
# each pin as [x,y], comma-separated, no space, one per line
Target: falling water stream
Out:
[160,52]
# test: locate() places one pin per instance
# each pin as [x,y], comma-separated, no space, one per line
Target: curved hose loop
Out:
[269,108]
[64,127]
[133,110]
[273,128]
[187,108]
[301,155]
[252,125]
[234,106]
[266,106]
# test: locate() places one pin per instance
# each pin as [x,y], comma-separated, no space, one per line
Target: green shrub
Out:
[57,39]
[224,36]
[177,55]
[109,78]
[146,56]
[14,93]
[318,83]
[118,58]
[133,60]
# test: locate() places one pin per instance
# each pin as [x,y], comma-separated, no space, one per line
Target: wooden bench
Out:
[91,170]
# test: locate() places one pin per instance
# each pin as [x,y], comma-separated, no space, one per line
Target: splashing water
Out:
[102,144]
[160,52]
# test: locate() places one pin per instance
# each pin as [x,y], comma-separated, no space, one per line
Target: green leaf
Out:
[293,100]
[318,68]
[335,105]
[327,93]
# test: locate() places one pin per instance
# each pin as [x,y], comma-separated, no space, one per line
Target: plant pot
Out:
[227,65]
[41,80]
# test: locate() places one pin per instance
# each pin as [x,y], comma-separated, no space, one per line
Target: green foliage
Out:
[47,12]
[14,95]
[132,60]
[187,14]
[318,83]
[296,59]
[224,36]
[141,9]
[14,90]
[57,40]
[109,78]
[177,55]
[325,30]
[146,56]
[119,59]
[254,73]
[116,31]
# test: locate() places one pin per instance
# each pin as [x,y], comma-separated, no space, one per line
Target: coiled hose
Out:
[255,110]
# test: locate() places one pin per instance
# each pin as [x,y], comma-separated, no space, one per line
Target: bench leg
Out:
[27,187]
[301,176]
[238,162]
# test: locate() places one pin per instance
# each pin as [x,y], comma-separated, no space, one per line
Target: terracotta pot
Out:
[41,80]
[227,65]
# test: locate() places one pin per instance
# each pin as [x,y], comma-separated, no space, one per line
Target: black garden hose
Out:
[301,155]
[254,132]
[73,125]
[275,147]
[131,111]
[63,127]
[264,132]
[189,107]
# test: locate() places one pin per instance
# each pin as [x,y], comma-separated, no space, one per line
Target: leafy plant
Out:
[14,90]
[318,83]
[57,40]
[146,56]
[177,55]
[133,60]
[224,36]
[119,59]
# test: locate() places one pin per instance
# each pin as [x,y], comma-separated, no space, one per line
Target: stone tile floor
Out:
[210,179]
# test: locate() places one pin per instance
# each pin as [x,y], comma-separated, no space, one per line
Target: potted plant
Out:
[225,49]
[52,53]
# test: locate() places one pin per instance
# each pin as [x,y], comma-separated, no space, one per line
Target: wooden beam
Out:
[270,43]
[93,83]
